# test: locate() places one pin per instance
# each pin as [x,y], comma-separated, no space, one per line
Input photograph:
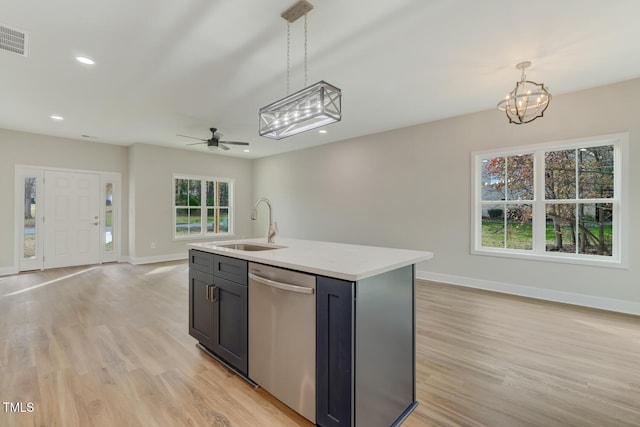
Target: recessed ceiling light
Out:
[246,150]
[322,131]
[56,117]
[85,60]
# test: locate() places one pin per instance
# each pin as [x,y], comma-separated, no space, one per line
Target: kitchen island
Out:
[361,370]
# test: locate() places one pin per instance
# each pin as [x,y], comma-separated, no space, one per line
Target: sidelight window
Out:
[30,225]
[559,202]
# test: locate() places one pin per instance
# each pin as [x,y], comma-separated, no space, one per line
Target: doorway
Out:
[66,217]
[71,219]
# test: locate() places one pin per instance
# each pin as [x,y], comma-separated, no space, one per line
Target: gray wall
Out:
[151,187]
[410,188]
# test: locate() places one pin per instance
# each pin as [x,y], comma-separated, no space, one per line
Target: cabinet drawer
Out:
[201,261]
[231,269]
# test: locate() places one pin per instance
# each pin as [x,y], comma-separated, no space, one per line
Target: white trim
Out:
[8,271]
[603,303]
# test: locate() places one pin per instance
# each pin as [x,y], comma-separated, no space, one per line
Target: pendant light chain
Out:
[305,50]
[308,108]
[288,54]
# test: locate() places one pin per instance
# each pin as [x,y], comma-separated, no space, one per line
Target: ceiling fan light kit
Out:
[314,106]
[527,101]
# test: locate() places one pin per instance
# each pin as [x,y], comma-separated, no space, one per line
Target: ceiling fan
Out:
[214,142]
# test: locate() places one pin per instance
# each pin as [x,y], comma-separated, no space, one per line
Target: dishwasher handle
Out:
[280,285]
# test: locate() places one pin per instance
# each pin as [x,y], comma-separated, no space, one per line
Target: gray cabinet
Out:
[218,306]
[200,307]
[230,323]
[334,358]
[365,337]
[365,343]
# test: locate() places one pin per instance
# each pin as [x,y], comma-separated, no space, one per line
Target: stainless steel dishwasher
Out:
[282,336]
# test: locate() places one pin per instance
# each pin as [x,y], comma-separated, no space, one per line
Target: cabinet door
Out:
[200,307]
[334,345]
[230,323]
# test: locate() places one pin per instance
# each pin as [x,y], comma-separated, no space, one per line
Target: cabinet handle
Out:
[211,293]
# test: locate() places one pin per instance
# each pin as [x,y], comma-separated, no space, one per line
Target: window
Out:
[108,217]
[202,206]
[560,202]
[30,225]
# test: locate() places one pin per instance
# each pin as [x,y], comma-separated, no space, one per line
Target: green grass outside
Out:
[185,219]
[520,236]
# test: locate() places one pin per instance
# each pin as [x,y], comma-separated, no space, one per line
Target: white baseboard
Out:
[611,304]
[6,271]
[159,258]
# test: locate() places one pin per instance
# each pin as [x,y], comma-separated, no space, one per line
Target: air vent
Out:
[14,40]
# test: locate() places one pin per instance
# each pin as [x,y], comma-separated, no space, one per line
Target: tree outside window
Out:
[572,179]
[201,206]
[507,192]
[551,201]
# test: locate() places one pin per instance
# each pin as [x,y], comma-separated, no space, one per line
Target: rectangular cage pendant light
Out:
[309,108]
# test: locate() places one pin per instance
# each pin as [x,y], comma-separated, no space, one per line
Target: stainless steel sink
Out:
[249,246]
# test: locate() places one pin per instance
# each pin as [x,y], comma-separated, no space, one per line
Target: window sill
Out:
[216,236]
[585,260]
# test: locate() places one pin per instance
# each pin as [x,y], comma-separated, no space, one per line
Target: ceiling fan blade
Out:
[198,143]
[224,147]
[192,137]
[234,142]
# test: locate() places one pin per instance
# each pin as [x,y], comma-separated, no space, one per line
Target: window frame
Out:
[204,208]
[619,257]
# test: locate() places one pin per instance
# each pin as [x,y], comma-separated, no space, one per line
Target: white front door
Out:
[71,219]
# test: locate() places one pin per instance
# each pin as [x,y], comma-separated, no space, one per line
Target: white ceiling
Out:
[179,67]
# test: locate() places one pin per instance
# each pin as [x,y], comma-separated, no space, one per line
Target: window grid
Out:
[596,220]
[198,211]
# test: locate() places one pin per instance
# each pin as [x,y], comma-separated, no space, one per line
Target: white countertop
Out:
[339,260]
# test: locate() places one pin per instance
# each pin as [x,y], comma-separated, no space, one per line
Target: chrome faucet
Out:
[273,227]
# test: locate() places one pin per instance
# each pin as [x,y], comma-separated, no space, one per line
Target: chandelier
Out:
[527,101]
[309,108]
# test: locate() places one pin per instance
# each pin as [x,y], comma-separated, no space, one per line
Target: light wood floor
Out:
[108,346]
